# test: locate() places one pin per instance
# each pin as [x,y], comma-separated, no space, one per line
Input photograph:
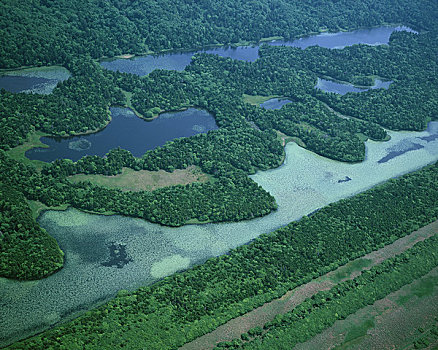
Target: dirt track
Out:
[258,317]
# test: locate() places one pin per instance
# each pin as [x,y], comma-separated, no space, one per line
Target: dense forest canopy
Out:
[76,34]
[181,307]
[247,137]
[189,304]
[325,308]
[41,32]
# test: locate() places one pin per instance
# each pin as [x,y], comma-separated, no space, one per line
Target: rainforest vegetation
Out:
[246,140]
[26,250]
[186,305]
[45,31]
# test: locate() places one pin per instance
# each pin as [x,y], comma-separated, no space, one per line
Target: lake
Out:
[127,131]
[275,103]
[41,80]
[143,65]
[147,252]
[343,88]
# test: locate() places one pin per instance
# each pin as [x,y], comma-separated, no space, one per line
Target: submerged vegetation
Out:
[247,138]
[186,305]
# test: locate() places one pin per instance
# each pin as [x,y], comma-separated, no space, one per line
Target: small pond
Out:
[40,80]
[343,88]
[178,61]
[275,103]
[129,132]
[106,254]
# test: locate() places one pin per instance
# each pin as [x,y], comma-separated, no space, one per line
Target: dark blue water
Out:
[432,129]
[129,132]
[399,150]
[40,80]
[345,179]
[178,61]
[372,36]
[275,103]
[16,84]
[343,88]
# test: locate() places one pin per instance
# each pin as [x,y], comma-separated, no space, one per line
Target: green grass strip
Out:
[325,308]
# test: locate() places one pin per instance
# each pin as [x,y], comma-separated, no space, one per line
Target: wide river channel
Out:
[304,183]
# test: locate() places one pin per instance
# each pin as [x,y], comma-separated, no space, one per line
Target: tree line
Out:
[186,305]
[26,250]
[246,140]
[45,32]
[323,309]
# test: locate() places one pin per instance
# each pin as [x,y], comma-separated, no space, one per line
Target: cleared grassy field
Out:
[259,316]
[257,99]
[145,180]
[128,96]
[33,140]
[395,322]
[37,207]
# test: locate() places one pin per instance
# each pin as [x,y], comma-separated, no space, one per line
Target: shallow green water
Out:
[304,183]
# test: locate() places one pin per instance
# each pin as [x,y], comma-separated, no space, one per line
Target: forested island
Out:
[248,138]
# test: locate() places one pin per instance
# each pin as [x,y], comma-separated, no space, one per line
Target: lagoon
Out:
[106,254]
[304,183]
[344,88]
[129,132]
[143,65]
[275,103]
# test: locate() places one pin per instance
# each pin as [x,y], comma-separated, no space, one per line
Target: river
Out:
[143,65]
